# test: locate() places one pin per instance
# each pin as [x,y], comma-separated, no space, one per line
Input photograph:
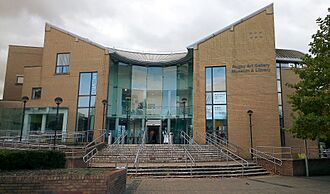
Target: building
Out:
[207,89]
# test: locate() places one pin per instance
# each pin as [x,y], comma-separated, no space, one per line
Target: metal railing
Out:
[191,159]
[120,139]
[91,149]
[140,150]
[221,140]
[257,154]
[227,153]
[190,141]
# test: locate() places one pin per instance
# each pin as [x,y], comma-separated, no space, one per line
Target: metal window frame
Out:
[62,66]
[89,99]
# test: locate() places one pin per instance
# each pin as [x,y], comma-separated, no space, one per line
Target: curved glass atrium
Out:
[150,93]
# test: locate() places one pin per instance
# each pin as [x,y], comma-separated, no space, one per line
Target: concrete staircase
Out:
[168,161]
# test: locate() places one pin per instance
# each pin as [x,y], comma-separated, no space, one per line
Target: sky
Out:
[149,25]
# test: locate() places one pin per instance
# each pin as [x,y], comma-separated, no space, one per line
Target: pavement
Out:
[264,184]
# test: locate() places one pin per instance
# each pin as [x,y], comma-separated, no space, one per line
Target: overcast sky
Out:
[149,25]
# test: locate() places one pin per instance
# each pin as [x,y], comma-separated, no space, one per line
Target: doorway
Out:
[153,135]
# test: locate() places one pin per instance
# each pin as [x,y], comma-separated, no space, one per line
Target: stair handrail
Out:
[140,150]
[191,159]
[91,148]
[95,140]
[223,141]
[191,141]
[242,161]
[263,155]
[120,138]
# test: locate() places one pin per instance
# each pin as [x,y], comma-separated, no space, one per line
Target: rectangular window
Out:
[216,99]
[62,63]
[19,79]
[36,93]
[86,101]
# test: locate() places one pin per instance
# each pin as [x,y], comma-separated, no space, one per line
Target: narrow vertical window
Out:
[86,101]
[216,99]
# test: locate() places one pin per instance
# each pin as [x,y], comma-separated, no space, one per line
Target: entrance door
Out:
[153,135]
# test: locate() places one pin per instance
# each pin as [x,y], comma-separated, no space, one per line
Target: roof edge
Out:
[75,36]
[229,26]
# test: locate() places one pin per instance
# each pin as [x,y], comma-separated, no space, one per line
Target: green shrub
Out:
[31,159]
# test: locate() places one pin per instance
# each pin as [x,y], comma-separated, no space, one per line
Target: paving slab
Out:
[264,184]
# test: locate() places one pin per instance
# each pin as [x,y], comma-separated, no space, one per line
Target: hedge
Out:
[31,159]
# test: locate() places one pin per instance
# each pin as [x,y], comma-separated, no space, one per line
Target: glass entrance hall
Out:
[150,94]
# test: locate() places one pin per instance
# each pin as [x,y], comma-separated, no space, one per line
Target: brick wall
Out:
[297,167]
[107,182]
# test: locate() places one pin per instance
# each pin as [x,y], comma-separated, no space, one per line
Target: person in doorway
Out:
[165,135]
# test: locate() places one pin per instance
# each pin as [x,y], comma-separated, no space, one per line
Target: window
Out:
[86,101]
[36,93]
[62,63]
[19,79]
[216,99]
[279,67]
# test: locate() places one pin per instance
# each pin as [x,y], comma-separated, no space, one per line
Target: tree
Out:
[311,100]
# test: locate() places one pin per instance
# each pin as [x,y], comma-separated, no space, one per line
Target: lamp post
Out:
[250,112]
[105,103]
[128,99]
[24,100]
[184,101]
[58,100]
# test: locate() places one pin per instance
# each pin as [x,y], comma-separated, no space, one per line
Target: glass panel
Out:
[154,79]
[219,79]
[63,59]
[35,122]
[219,112]
[280,110]
[279,98]
[94,83]
[208,79]
[58,69]
[154,101]
[85,84]
[209,125]
[51,122]
[66,69]
[82,119]
[208,111]
[36,93]
[93,100]
[208,98]
[278,73]
[219,98]
[124,76]
[279,89]
[83,101]
[170,74]
[91,118]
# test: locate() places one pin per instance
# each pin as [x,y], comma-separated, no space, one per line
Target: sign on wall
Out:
[219,98]
[250,68]
[219,111]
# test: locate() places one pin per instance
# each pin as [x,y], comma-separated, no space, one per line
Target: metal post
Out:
[58,101]
[24,99]
[306,157]
[250,112]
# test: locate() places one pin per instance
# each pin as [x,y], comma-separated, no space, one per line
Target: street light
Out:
[105,103]
[250,112]
[128,99]
[58,100]
[184,101]
[24,100]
